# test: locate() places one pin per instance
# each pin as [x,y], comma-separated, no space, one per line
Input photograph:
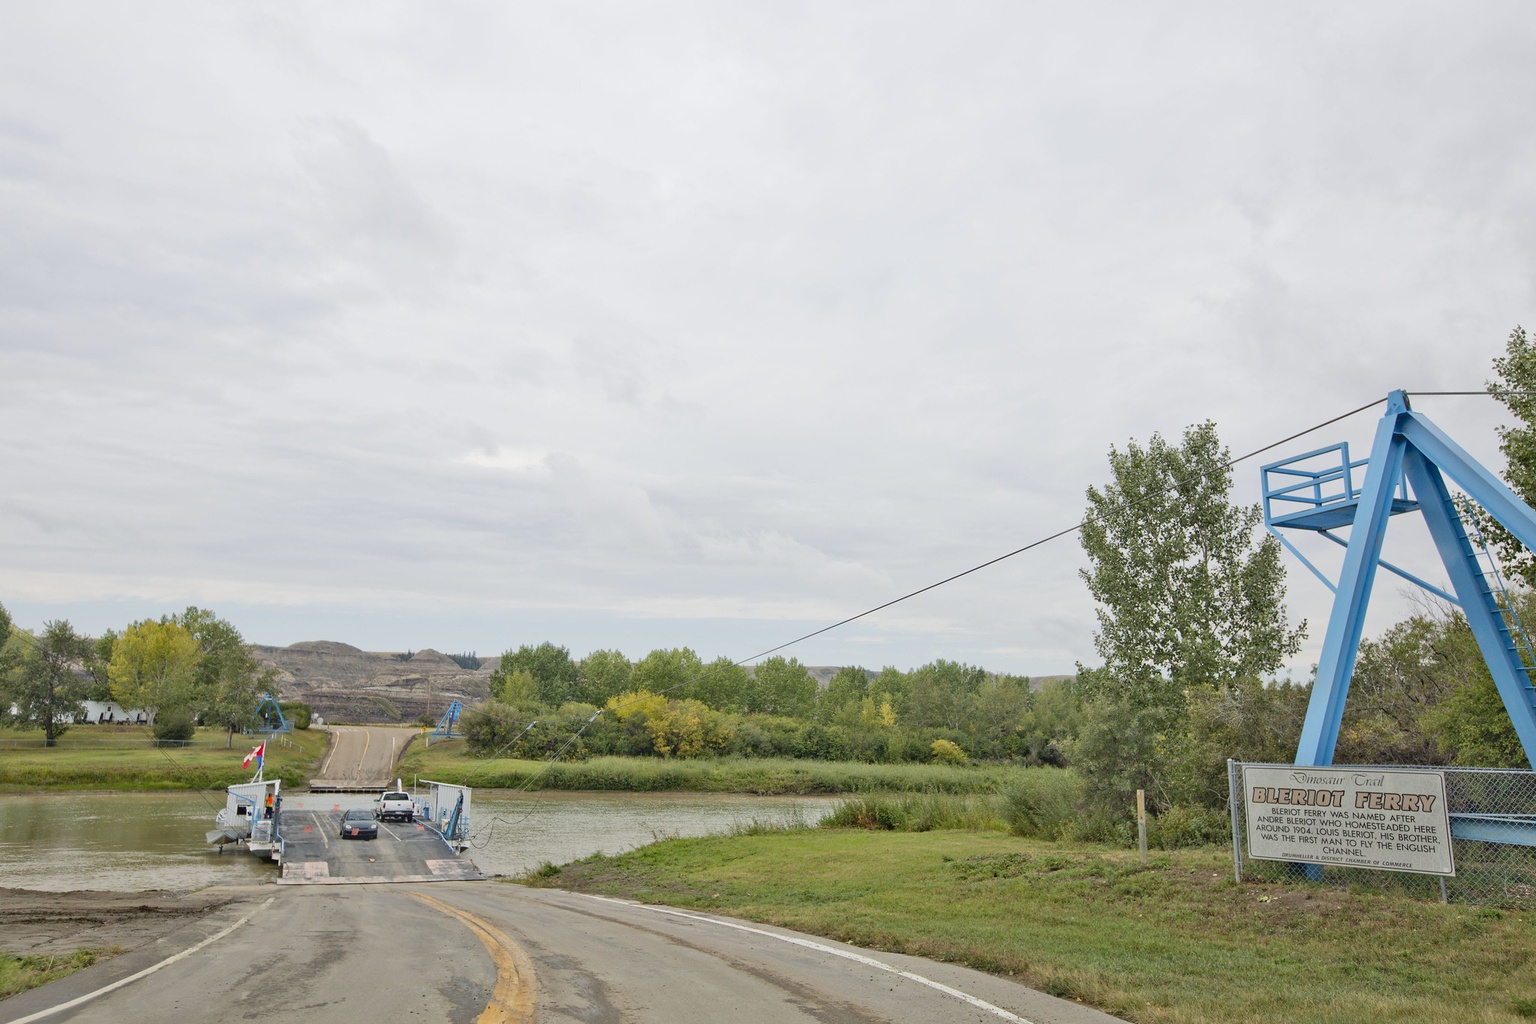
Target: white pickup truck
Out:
[395,805]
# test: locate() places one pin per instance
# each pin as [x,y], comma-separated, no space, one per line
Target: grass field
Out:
[1176,942]
[451,762]
[87,763]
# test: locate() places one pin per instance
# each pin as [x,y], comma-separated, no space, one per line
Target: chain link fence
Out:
[1493,826]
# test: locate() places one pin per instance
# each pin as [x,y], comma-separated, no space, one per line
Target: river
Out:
[130,842]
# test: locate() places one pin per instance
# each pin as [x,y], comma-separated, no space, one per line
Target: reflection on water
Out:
[115,841]
[136,841]
[515,832]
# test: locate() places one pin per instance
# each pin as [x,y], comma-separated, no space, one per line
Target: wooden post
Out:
[1141,823]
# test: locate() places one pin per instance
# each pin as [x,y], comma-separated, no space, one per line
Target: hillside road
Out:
[362,757]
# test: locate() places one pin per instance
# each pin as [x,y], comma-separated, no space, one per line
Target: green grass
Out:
[19,973]
[143,766]
[1175,942]
[451,762]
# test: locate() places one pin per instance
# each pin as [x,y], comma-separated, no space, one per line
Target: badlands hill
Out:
[345,684]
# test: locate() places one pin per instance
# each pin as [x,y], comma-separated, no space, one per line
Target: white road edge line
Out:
[40,1014]
[965,997]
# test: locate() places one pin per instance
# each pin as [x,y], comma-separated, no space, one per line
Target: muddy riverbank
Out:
[34,923]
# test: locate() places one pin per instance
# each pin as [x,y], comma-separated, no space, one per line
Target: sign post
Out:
[1387,819]
[1141,823]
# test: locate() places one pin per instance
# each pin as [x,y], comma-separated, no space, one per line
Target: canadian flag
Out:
[255,755]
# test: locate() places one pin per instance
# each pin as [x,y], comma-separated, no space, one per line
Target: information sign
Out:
[1388,819]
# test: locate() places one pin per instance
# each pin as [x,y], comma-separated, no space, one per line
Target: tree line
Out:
[189,669]
[671,703]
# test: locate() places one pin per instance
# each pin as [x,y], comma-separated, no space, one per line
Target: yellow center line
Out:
[515,994]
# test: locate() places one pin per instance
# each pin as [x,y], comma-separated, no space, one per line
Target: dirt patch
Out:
[58,923]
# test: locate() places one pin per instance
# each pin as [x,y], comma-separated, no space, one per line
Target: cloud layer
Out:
[479,325]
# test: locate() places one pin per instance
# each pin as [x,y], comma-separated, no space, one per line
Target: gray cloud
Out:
[706,325]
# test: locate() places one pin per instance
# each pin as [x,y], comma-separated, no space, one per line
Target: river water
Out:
[138,841]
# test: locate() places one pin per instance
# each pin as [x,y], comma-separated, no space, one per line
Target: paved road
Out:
[489,952]
[361,757]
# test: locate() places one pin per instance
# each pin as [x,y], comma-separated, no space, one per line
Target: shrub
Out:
[1045,807]
[881,814]
[1178,827]
[297,712]
[947,752]
[174,726]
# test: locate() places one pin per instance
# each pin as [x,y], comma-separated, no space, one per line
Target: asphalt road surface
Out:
[491,952]
[361,757]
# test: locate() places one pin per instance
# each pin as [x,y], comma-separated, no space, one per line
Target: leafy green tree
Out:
[154,665]
[492,727]
[1186,598]
[1474,725]
[1122,747]
[722,685]
[1515,386]
[844,696]
[555,675]
[942,695]
[1054,718]
[100,687]
[1000,709]
[229,680]
[47,687]
[514,687]
[1401,681]
[665,671]
[782,687]
[10,655]
[602,674]
[1247,720]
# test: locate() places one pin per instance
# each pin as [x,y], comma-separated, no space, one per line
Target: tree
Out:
[1186,598]
[154,665]
[844,695]
[555,675]
[941,694]
[100,686]
[602,674]
[48,684]
[229,680]
[782,687]
[514,686]
[1515,387]
[722,685]
[664,671]
[9,655]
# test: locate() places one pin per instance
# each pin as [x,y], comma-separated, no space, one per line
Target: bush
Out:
[297,712]
[1047,807]
[947,752]
[913,812]
[1178,827]
[880,814]
[174,726]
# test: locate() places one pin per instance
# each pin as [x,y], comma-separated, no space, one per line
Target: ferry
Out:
[251,813]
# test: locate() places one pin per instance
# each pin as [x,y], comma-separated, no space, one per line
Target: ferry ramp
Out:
[361,759]
[314,853]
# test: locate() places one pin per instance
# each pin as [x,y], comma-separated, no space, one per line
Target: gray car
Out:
[358,823]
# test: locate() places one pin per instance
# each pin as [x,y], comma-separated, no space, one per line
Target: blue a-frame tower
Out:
[1409,463]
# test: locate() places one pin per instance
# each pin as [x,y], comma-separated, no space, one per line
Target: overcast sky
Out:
[642,325]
